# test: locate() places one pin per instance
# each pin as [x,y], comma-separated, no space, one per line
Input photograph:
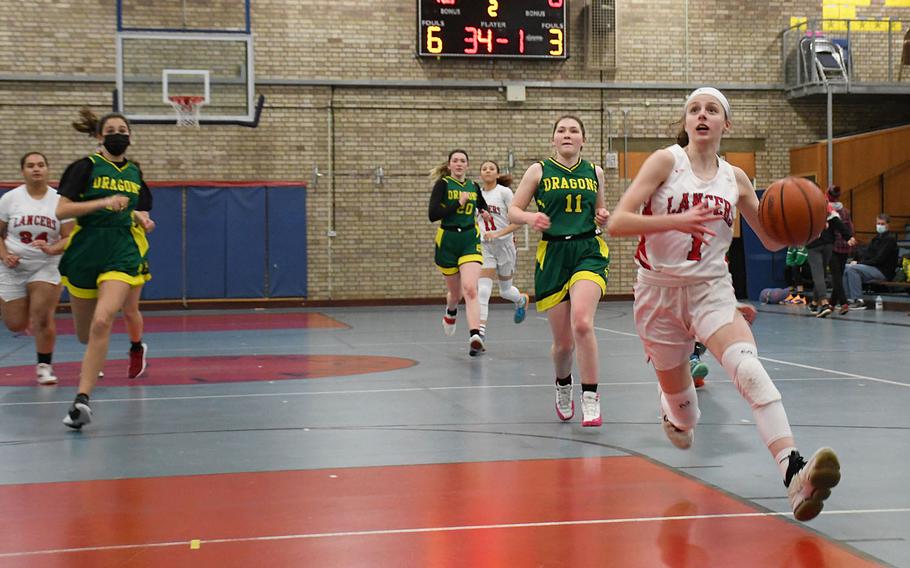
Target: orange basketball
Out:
[793,211]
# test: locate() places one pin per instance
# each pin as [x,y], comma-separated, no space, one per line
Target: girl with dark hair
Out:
[31,240]
[103,260]
[498,245]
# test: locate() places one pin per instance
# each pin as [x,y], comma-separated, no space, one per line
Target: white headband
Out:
[711,91]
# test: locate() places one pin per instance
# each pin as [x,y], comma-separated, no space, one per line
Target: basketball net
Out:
[187,109]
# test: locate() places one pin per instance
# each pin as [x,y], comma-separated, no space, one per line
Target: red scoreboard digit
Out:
[534,29]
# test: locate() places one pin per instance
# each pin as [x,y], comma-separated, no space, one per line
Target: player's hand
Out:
[694,221]
[852,241]
[540,222]
[463,197]
[42,245]
[489,236]
[116,202]
[486,215]
[142,217]
[601,216]
[11,260]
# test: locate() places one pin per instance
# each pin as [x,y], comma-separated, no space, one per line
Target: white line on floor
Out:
[441,530]
[645,383]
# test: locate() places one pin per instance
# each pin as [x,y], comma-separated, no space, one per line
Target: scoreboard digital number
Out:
[533,29]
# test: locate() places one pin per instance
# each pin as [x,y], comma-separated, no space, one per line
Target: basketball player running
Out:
[458,254]
[31,240]
[570,275]
[682,204]
[499,252]
[103,260]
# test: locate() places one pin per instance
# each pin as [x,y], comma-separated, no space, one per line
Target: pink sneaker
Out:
[565,406]
[590,409]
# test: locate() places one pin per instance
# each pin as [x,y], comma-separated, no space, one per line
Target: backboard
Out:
[197,48]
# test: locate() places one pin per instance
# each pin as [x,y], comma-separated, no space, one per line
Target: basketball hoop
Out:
[187,109]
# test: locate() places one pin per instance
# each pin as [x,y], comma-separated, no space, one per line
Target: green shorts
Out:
[96,254]
[454,248]
[560,264]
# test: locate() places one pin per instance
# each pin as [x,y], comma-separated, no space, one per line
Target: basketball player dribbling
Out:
[499,253]
[682,204]
[570,275]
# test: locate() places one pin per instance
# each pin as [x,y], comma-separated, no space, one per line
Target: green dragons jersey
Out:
[107,180]
[463,218]
[568,196]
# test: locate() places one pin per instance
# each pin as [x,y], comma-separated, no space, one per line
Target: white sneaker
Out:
[79,415]
[810,483]
[682,439]
[476,345]
[45,374]
[565,406]
[590,409]
[448,325]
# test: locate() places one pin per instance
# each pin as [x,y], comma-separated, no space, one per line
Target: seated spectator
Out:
[879,259]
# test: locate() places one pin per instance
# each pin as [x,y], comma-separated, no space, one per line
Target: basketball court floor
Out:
[365,437]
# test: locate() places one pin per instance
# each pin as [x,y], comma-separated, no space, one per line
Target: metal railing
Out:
[871,51]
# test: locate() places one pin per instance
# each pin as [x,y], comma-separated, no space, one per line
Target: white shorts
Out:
[13,281]
[500,254]
[670,319]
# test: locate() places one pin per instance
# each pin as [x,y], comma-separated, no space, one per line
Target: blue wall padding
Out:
[165,250]
[245,239]
[206,210]
[287,243]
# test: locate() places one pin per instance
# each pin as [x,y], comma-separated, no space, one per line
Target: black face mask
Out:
[116,143]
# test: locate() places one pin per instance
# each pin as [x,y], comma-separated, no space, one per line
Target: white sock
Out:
[484,291]
[681,408]
[509,292]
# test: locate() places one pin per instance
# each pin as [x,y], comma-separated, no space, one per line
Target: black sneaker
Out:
[824,311]
[857,304]
[80,414]
[813,308]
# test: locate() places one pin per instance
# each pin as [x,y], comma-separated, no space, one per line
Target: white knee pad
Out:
[740,360]
[681,408]
[508,292]
[484,291]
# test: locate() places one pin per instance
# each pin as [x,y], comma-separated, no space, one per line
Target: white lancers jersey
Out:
[28,219]
[672,257]
[498,200]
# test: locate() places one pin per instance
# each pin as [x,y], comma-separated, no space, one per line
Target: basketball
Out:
[793,211]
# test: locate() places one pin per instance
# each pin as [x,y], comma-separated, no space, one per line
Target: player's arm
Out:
[7,258]
[439,210]
[66,229]
[601,215]
[526,188]
[626,220]
[748,208]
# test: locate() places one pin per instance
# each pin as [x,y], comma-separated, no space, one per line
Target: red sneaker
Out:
[138,362]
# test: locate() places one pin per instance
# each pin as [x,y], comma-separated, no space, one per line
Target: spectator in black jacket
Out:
[876,263]
[820,251]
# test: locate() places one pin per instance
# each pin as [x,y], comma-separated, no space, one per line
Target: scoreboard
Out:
[532,29]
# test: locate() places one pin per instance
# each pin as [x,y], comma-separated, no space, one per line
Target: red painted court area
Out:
[202,370]
[221,322]
[621,511]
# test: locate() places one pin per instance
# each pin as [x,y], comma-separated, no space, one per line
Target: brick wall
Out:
[383,247]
